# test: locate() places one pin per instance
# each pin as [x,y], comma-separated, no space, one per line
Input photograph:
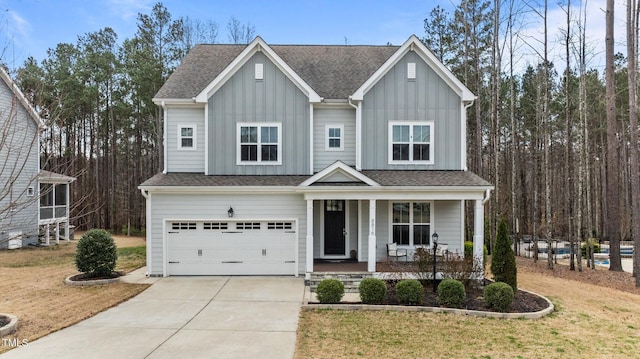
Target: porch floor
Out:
[321,265]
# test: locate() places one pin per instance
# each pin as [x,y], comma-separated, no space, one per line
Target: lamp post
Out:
[434,236]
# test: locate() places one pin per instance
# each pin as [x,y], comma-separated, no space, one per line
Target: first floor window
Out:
[411,142]
[186,137]
[411,223]
[259,143]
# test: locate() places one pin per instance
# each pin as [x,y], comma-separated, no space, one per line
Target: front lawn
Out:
[32,287]
[590,321]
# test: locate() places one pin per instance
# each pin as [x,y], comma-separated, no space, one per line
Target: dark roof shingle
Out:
[333,71]
[384,178]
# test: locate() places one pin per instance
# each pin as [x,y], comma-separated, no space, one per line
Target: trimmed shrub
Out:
[498,296]
[594,243]
[451,293]
[330,291]
[96,254]
[503,261]
[409,292]
[372,290]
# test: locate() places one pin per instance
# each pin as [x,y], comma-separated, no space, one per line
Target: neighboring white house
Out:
[276,155]
[23,185]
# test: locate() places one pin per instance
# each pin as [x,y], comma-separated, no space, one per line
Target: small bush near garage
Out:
[409,292]
[330,291]
[498,296]
[451,293]
[372,290]
[96,254]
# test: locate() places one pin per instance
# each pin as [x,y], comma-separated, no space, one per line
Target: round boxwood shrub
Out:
[409,292]
[372,290]
[96,254]
[451,293]
[330,291]
[498,296]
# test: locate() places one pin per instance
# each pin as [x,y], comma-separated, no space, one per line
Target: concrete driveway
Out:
[186,317]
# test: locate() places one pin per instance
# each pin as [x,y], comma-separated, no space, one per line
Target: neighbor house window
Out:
[335,138]
[411,223]
[259,143]
[411,142]
[187,137]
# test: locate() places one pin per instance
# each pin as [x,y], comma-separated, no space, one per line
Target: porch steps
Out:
[351,280]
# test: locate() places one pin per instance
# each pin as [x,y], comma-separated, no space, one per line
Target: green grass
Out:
[130,258]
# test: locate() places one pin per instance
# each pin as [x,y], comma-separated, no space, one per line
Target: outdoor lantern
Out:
[230,212]
[434,236]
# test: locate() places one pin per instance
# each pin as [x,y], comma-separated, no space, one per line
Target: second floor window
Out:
[411,142]
[335,135]
[259,143]
[186,137]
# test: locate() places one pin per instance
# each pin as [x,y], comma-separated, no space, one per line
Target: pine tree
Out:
[503,261]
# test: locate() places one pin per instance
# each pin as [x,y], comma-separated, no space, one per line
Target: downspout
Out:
[164,130]
[358,134]
[487,196]
[464,135]
[145,194]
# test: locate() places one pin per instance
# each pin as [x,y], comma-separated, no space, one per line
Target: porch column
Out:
[478,234]
[309,249]
[371,262]
[66,224]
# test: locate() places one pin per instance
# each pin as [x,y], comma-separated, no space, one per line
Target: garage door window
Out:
[248,225]
[183,225]
[215,225]
[279,225]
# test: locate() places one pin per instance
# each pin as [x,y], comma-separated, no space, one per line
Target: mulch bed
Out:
[4,321]
[523,302]
[83,277]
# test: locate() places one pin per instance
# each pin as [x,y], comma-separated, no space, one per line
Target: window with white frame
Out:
[186,136]
[411,142]
[411,223]
[335,138]
[259,143]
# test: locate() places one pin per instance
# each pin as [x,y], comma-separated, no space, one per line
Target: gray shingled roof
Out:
[427,178]
[385,178]
[333,71]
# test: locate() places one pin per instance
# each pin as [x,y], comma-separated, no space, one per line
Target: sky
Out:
[30,27]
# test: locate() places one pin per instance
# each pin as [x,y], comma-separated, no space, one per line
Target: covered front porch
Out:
[355,214]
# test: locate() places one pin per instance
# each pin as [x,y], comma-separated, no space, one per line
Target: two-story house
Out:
[30,198]
[276,155]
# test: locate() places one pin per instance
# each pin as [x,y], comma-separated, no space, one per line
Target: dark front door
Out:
[334,229]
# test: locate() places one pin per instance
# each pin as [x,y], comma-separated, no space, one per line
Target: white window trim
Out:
[239,161]
[411,124]
[327,138]
[411,223]
[195,136]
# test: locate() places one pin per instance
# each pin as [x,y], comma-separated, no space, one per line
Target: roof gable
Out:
[23,100]
[414,44]
[339,172]
[257,45]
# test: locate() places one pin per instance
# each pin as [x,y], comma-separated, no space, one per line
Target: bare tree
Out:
[238,33]
[612,172]
[632,70]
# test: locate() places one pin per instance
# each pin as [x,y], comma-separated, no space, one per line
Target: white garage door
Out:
[231,247]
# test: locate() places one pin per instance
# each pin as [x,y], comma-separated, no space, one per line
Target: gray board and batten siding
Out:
[323,117]
[185,160]
[397,98]
[274,99]
[19,150]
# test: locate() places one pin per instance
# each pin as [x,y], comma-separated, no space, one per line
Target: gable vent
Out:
[259,71]
[411,70]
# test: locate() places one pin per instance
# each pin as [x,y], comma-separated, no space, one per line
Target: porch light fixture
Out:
[230,212]
[434,237]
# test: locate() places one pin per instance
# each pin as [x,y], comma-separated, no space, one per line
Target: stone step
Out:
[350,280]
